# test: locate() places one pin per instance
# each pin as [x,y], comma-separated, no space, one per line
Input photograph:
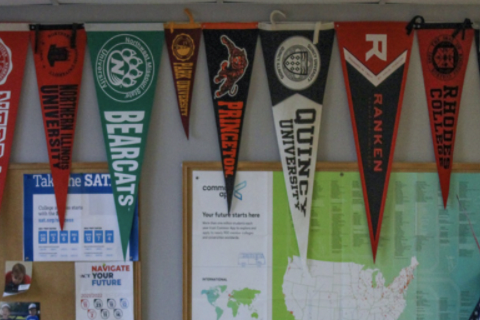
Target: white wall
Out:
[161,185]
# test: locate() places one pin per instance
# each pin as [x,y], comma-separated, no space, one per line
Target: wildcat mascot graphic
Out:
[231,71]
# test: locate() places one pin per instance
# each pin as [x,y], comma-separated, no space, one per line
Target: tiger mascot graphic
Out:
[231,71]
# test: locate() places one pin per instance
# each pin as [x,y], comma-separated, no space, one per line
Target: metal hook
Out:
[274,12]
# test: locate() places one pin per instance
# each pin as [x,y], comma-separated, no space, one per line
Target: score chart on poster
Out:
[245,264]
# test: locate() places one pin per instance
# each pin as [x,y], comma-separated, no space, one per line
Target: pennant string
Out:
[467,24]
[462,209]
[272,15]
[73,38]
[190,16]
[316,33]
[413,24]
[37,36]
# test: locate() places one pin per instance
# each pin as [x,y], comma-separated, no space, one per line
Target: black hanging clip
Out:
[36,27]
[73,38]
[467,24]
[413,24]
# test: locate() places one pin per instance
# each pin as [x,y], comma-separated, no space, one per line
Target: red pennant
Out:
[58,52]
[375,58]
[444,60]
[13,53]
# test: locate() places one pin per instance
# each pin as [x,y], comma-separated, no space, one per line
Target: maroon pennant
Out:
[183,42]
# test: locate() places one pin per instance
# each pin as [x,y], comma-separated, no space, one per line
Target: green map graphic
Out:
[235,299]
[427,261]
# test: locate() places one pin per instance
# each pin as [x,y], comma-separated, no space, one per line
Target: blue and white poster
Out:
[91,230]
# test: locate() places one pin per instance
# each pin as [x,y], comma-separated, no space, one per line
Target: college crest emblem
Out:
[297,63]
[5,62]
[125,68]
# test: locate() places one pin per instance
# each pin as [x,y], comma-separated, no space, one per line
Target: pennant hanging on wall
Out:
[13,53]
[444,51]
[375,57]
[125,59]
[230,49]
[297,57]
[58,54]
[183,42]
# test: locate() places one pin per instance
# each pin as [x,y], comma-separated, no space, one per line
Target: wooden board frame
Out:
[53,283]
[189,167]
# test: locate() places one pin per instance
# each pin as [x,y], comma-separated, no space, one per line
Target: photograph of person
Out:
[32,312]
[18,278]
[6,310]
[20,311]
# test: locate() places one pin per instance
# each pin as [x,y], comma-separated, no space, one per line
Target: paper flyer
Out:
[91,230]
[104,290]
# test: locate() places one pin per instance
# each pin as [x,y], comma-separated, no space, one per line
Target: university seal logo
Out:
[5,62]
[183,47]
[125,68]
[56,54]
[231,71]
[297,63]
[445,57]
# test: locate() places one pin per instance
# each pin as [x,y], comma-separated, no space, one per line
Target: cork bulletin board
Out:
[53,283]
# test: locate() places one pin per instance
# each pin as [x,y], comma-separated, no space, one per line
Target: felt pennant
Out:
[58,53]
[297,57]
[13,53]
[444,51]
[375,57]
[183,42]
[230,49]
[125,59]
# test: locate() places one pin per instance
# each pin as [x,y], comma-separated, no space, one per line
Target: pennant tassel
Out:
[230,49]
[59,53]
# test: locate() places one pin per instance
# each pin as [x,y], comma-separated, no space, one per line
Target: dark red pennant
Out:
[58,53]
[375,58]
[444,60]
[13,53]
[182,46]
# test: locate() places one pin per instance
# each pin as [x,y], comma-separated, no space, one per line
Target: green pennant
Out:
[125,61]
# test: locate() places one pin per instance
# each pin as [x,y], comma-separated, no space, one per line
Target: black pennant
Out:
[230,49]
